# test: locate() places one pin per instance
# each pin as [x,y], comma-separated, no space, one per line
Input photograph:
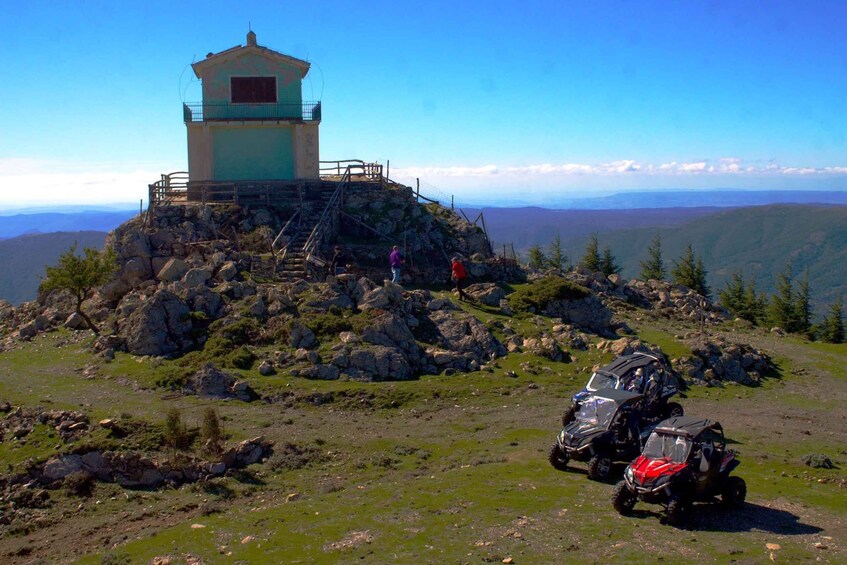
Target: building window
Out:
[246,90]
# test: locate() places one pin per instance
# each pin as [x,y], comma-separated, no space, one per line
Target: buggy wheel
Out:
[568,416]
[599,468]
[622,498]
[558,458]
[677,510]
[674,410]
[734,492]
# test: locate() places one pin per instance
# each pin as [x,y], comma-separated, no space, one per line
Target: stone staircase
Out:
[293,265]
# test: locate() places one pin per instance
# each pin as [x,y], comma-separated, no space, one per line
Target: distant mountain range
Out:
[24,258]
[65,221]
[720,198]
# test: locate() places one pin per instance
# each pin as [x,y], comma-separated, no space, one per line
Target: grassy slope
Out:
[445,469]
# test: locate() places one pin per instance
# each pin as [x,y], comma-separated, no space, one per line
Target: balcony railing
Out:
[214,112]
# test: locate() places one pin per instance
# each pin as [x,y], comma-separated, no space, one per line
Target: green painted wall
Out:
[216,83]
[253,153]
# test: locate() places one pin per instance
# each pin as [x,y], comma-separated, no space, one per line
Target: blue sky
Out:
[485,100]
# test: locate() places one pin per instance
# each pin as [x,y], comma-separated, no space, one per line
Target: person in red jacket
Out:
[459,275]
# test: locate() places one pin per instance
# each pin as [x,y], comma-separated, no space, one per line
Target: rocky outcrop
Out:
[589,313]
[719,361]
[132,469]
[19,422]
[211,382]
[160,325]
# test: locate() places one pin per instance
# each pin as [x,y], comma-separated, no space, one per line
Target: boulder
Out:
[160,326]
[173,270]
[227,272]
[59,467]
[211,382]
[76,322]
[195,277]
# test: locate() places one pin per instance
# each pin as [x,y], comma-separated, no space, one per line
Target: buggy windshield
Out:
[667,446]
[600,381]
[597,411]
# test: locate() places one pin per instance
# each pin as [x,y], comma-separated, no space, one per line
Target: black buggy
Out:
[639,372]
[685,460]
[607,428]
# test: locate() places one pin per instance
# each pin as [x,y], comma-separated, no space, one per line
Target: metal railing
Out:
[225,111]
[170,188]
[285,234]
[315,239]
[356,167]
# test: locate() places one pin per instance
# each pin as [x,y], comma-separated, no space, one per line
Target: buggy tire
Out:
[623,499]
[599,468]
[558,458]
[674,410]
[568,415]
[677,511]
[734,492]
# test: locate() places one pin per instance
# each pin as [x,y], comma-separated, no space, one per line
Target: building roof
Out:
[214,59]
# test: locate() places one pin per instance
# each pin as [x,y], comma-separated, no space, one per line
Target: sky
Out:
[489,101]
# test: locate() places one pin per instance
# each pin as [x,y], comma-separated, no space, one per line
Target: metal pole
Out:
[418,193]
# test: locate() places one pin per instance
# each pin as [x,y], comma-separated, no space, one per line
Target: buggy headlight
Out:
[628,474]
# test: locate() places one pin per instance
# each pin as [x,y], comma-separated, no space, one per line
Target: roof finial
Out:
[251,37]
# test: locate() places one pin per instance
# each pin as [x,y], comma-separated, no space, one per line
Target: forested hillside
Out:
[24,258]
[758,242]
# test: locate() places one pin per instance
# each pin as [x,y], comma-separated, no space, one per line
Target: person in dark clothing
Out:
[459,275]
[395,260]
[338,265]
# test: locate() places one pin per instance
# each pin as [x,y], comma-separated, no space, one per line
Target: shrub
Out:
[239,331]
[211,431]
[176,433]
[240,358]
[542,292]
[329,324]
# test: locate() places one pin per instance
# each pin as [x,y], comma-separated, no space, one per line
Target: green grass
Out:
[440,469]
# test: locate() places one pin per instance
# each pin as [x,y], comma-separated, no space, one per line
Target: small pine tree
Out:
[591,259]
[607,263]
[654,266]
[176,433]
[732,295]
[832,328]
[555,254]
[689,271]
[802,305]
[537,260]
[781,310]
[742,299]
[755,304]
[211,431]
[81,275]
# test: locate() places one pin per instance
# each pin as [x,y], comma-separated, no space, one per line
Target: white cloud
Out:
[25,182]
[721,166]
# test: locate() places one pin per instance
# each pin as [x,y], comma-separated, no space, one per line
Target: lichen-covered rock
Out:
[211,382]
[161,325]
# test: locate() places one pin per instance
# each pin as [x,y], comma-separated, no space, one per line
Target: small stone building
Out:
[252,123]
